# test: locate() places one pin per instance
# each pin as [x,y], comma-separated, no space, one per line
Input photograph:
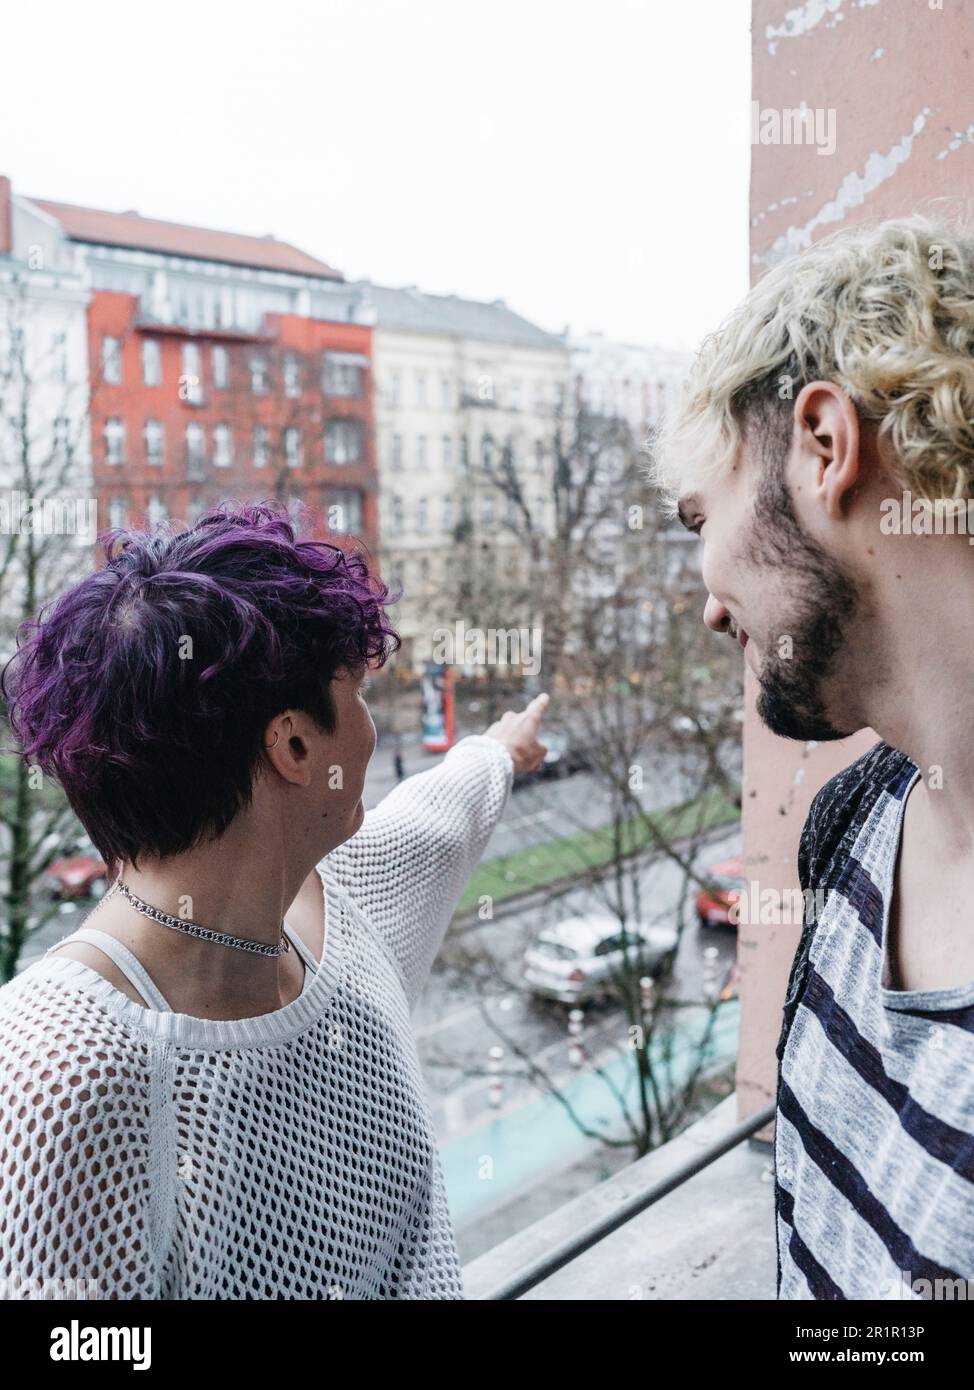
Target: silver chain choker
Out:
[219,938]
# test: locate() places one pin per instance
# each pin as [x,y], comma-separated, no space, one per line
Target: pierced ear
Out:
[287,751]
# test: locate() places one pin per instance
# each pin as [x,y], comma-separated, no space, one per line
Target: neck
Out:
[242,884]
[923,705]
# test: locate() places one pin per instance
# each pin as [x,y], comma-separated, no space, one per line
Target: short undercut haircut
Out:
[145,689]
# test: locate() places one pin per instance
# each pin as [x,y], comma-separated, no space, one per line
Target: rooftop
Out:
[128,229]
[413,310]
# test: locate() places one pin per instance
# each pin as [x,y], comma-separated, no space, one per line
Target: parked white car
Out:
[581,958]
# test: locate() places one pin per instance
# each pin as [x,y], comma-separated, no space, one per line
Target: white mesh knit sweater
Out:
[287,1156]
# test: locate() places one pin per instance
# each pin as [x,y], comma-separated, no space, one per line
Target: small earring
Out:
[277,735]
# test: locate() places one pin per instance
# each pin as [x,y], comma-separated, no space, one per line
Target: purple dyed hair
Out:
[154,741]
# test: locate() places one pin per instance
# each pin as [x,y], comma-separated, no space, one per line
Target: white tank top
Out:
[137,975]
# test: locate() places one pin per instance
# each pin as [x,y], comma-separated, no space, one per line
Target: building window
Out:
[421,451]
[537,513]
[487,451]
[196,507]
[62,439]
[343,374]
[420,388]
[396,459]
[447,452]
[343,441]
[157,511]
[151,362]
[114,440]
[465,452]
[258,374]
[510,511]
[292,376]
[395,388]
[446,393]
[261,446]
[422,514]
[154,443]
[195,450]
[191,379]
[59,352]
[395,508]
[447,513]
[111,360]
[487,510]
[220,361]
[292,447]
[345,512]
[118,513]
[515,395]
[223,446]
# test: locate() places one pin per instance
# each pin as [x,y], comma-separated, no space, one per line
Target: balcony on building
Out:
[693,1220]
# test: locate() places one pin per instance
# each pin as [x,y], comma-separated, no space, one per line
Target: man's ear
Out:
[286,747]
[828,434]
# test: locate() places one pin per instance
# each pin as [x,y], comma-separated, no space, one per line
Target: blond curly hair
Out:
[886,311]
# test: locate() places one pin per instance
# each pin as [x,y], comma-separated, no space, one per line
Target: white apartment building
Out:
[627,380]
[457,382]
[45,466]
[636,384]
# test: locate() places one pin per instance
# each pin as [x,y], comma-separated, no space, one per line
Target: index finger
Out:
[536,710]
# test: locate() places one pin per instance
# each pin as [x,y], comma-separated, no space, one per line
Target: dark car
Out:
[562,759]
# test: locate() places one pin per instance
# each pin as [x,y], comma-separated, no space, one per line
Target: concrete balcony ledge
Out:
[710,1238]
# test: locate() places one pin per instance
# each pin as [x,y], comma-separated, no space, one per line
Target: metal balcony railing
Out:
[561,1255]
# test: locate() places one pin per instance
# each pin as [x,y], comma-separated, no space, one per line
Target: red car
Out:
[714,905]
[84,876]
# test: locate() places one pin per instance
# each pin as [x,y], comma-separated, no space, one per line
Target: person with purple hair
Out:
[211,1090]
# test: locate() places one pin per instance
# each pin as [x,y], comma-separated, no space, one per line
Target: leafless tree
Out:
[43,441]
[651,708]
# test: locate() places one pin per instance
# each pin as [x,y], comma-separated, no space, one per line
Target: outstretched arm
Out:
[407,866]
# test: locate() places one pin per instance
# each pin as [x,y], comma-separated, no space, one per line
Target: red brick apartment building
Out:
[221,365]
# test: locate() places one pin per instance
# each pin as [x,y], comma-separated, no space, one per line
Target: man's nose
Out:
[715,615]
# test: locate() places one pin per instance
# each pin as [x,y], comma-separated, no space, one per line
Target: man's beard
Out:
[792,700]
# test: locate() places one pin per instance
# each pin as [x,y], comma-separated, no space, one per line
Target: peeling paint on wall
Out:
[801,21]
[851,193]
[790,201]
[962,137]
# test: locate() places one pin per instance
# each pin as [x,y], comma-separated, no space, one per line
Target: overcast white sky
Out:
[586,160]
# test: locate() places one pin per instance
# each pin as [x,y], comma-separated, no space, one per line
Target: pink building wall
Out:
[897,77]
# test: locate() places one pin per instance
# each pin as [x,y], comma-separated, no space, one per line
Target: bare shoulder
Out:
[102,964]
[306,915]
